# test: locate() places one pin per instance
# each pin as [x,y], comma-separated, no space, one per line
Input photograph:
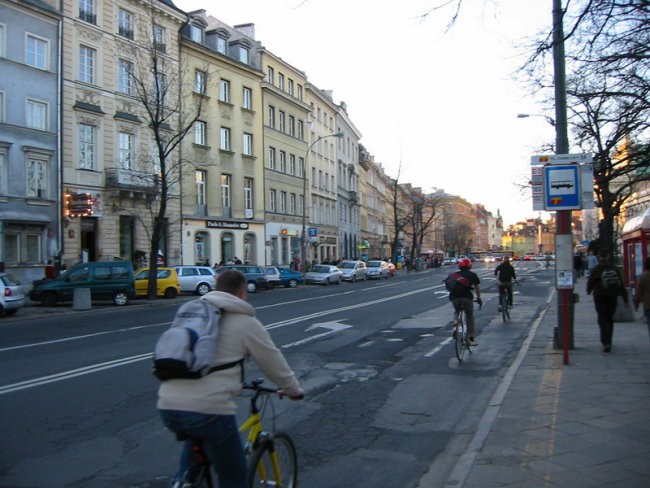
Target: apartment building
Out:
[322,166]
[29,124]
[285,152]
[119,112]
[348,203]
[223,187]
[375,206]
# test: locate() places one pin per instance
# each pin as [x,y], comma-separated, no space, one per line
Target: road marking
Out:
[332,327]
[436,349]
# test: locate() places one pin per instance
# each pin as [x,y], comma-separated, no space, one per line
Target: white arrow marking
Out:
[331,327]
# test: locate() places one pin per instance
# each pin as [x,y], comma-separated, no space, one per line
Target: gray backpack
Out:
[188,348]
[610,281]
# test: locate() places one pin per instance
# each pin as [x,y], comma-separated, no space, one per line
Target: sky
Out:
[436,107]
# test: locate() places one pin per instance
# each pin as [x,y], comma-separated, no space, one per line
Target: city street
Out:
[385,393]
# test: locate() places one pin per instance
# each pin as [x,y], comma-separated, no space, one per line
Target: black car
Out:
[255,276]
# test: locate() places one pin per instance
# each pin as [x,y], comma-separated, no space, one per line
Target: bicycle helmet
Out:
[465,263]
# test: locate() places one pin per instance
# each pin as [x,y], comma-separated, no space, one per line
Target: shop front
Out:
[217,242]
[636,246]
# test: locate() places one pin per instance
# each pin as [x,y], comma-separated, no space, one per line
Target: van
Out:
[107,280]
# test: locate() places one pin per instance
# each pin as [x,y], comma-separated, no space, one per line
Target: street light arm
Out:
[550,120]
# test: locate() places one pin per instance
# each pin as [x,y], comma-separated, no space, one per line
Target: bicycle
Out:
[461,336]
[272,458]
[504,301]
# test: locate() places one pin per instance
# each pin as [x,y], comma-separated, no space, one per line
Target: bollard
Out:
[81,299]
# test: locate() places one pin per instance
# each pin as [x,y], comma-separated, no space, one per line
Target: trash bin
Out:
[81,299]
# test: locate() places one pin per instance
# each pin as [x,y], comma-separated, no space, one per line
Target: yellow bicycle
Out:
[272,459]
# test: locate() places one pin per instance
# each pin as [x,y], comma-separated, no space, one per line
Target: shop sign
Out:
[226,224]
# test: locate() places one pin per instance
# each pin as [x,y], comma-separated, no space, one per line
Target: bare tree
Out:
[398,219]
[170,115]
[420,218]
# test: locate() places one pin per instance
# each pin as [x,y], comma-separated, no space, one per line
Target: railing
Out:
[87,16]
[130,180]
[124,32]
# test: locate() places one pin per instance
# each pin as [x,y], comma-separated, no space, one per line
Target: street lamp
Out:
[303,233]
[547,118]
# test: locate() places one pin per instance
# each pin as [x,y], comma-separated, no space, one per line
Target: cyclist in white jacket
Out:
[205,408]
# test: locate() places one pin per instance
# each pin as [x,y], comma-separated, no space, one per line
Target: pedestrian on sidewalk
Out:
[642,292]
[606,283]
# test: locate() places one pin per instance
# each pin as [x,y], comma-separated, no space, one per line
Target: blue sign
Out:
[312,232]
[562,187]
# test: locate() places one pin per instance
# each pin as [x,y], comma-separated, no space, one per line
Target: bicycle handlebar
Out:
[256,386]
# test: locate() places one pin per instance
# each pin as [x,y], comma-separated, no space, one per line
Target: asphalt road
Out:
[385,394]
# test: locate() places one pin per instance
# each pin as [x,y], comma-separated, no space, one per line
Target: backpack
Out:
[610,281]
[456,283]
[187,349]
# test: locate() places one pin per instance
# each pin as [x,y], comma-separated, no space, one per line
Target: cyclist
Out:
[505,274]
[462,298]
[204,408]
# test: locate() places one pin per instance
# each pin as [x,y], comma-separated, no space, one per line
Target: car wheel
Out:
[354,278]
[8,313]
[326,282]
[251,287]
[120,298]
[293,283]
[49,300]
[202,289]
[171,293]
[365,277]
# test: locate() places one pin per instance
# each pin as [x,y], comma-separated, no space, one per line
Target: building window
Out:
[222,44]
[301,130]
[248,193]
[301,205]
[290,86]
[160,88]
[299,96]
[159,39]
[272,198]
[248,144]
[200,133]
[196,33]
[281,119]
[225,191]
[37,52]
[36,114]
[199,82]
[125,24]
[86,64]
[292,126]
[281,81]
[126,148]
[201,181]
[270,75]
[301,167]
[87,11]
[3,171]
[225,139]
[247,98]
[2,41]
[37,178]
[292,164]
[271,119]
[243,54]
[271,158]
[283,202]
[224,91]
[292,204]
[125,77]
[283,162]
[22,246]
[87,146]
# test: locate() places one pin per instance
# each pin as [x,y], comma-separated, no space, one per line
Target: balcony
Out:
[353,196]
[160,47]
[87,16]
[126,32]
[126,179]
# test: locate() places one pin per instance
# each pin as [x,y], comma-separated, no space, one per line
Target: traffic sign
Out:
[562,187]
[560,159]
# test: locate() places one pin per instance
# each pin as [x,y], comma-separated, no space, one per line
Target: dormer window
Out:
[243,54]
[196,33]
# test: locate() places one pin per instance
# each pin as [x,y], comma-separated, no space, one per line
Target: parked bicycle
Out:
[272,458]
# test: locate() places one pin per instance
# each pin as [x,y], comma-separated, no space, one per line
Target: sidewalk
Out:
[586,424]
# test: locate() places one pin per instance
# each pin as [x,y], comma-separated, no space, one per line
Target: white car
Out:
[196,279]
[353,270]
[11,295]
[378,270]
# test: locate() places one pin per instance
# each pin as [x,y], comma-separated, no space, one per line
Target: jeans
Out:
[467,305]
[221,443]
[508,288]
[605,308]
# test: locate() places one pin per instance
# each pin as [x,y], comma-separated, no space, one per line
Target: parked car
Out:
[378,270]
[450,261]
[273,275]
[167,283]
[11,295]
[107,280]
[196,279]
[323,274]
[255,276]
[291,278]
[353,270]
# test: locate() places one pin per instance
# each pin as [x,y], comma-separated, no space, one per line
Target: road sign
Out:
[544,159]
[562,187]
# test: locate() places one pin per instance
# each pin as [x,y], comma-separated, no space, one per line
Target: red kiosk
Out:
[636,246]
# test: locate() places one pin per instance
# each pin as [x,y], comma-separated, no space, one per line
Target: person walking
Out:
[606,284]
[205,408]
[642,292]
[592,261]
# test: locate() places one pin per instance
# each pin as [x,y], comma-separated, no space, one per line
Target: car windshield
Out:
[321,269]
[374,264]
[347,265]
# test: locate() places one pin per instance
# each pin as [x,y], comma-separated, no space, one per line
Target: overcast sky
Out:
[442,104]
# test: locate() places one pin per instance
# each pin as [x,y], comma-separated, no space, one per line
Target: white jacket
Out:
[240,335]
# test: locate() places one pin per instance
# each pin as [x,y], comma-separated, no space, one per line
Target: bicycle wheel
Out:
[503,302]
[197,476]
[461,339]
[261,472]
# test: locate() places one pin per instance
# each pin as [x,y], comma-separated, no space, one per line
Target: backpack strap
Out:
[232,364]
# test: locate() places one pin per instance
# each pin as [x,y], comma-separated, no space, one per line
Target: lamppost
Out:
[303,233]
[548,119]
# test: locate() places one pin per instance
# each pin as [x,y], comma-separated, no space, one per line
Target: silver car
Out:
[196,279]
[378,270]
[11,295]
[353,270]
[323,274]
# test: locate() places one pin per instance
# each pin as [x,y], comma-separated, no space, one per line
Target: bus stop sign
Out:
[562,187]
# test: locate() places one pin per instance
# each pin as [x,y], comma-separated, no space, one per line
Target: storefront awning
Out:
[639,222]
